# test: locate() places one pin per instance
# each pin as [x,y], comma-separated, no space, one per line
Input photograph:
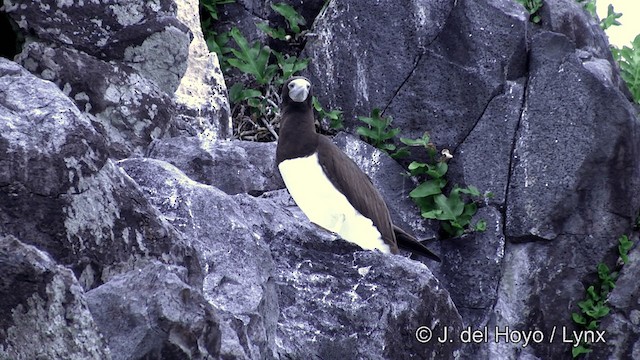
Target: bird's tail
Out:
[410,243]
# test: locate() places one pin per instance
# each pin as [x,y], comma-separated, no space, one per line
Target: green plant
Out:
[629,61]
[454,211]
[334,116]
[594,307]
[291,16]
[532,6]
[252,59]
[589,6]
[216,42]
[377,132]
[611,19]
[624,245]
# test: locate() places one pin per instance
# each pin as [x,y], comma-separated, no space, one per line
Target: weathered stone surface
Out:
[150,312]
[129,109]
[361,54]
[483,159]
[62,194]
[254,269]
[471,269]
[575,155]
[43,313]
[232,166]
[564,175]
[128,31]
[47,144]
[337,303]
[203,107]
[237,264]
[622,326]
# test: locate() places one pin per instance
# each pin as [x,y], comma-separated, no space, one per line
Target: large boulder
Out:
[232,166]
[61,192]
[43,312]
[151,312]
[286,288]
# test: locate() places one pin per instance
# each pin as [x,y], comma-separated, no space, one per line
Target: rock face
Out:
[132,227]
[44,312]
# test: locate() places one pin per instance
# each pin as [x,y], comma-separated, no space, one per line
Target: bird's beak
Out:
[299,90]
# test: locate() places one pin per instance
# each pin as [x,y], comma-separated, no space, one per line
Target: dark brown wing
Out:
[410,243]
[364,197]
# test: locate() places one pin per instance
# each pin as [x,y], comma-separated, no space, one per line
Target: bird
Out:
[329,187]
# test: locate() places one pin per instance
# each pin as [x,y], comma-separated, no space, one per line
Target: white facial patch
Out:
[299,90]
[324,205]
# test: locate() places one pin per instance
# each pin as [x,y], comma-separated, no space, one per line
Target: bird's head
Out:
[296,89]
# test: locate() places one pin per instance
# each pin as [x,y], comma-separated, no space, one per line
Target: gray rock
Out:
[483,158]
[201,97]
[237,265]
[43,313]
[232,166]
[264,261]
[127,108]
[361,54]
[63,195]
[150,312]
[472,267]
[574,159]
[141,34]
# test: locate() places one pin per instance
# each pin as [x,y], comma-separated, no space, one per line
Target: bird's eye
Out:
[290,85]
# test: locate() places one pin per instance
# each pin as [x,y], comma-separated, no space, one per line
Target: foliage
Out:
[454,211]
[334,116]
[377,131]
[292,18]
[611,19]
[589,6]
[252,59]
[624,245]
[532,6]
[594,307]
[255,100]
[629,61]
[216,42]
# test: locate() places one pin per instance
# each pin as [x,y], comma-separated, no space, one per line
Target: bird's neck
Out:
[299,131]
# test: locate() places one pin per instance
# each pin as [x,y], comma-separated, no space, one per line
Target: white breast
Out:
[324,205]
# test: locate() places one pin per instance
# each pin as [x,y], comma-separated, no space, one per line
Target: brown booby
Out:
[330,189]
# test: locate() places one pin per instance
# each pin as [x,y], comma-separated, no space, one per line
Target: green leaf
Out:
[470,190]
[252,59]
[579,318]
[423,141]
[278,33]
[402,152]
[593,325]
[586,305]
[611,19]
[428,188]
[438,170]
[294,20]
[598,311]
[417,165]
[289,65]
[579,350]
[237,93]
[451,206]
[480,226]
[366,132]
[592,293]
